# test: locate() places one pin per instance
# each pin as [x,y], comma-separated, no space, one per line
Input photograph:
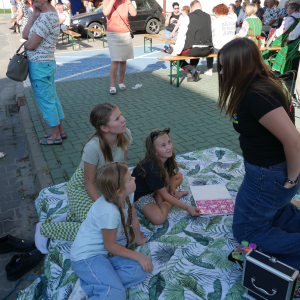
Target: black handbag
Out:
[17,69]
[131,33]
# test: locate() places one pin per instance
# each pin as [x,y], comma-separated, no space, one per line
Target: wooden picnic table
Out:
[149,37]
[103,33]
[73,34]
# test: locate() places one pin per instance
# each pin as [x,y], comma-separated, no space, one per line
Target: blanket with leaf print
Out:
[189,254]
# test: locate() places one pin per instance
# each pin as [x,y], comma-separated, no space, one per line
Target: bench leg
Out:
[79,43]
[171,66]
[93,36]
[87,36]
[178,68]
[73,43]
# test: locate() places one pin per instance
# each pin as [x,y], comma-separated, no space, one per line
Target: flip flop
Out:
[112,90]
[44,142]
[62,135]
[122,86]
[2,154]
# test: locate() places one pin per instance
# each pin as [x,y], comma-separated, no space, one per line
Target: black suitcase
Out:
[266,278]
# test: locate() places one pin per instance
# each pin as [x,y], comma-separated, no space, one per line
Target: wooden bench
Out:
[73,34]
[149,37]
[175,60]
[91,29]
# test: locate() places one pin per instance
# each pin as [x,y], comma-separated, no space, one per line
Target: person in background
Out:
[171,21]
[29,9]
[86,6]
[265,5]
[118,38]
[260,11]
[12,4]
[23,16]
[90,7]
[276,4]
[14,19]
[194,28]
[238,7]
[223,31]
[283,13]
[41,33]
[64,18]
[271,15]
[251,27]
[184,12]
[67,6]
[242,16]
[231,13]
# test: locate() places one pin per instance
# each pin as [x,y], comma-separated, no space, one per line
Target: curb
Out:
[37,160]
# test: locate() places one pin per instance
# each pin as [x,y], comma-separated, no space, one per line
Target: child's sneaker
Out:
[78,293]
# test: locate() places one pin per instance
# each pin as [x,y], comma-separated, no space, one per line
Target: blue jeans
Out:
[265,216]
[41,76]
[108,278]
[63,27]
[167,36]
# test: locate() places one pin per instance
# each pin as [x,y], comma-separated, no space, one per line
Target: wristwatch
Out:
[290,181]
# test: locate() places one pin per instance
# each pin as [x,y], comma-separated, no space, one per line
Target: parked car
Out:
[150,17]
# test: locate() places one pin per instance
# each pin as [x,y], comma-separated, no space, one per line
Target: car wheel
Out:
[96,26]
[153,26]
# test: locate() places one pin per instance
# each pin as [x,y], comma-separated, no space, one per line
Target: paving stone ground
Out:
[189,110]
[17,212]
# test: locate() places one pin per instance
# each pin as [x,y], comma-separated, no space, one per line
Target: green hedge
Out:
[7,11]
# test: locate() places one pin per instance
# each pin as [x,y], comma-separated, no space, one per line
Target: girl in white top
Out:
[109,143]
[100,248]
[184,12]
[223,31]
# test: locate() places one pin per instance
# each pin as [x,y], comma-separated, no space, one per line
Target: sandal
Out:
[122,86]
[112,90]
[2,154]
[54,142]
[62,135]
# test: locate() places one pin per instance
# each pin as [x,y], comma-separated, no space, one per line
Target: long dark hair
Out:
[243,70]
[100,116]
[150,156]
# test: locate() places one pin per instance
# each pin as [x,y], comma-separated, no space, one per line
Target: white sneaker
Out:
[78,293]
[208,73]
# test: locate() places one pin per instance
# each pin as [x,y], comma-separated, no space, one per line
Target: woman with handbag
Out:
[42,32]
[119,38]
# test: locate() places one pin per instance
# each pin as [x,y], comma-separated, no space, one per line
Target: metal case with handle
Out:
[266,278]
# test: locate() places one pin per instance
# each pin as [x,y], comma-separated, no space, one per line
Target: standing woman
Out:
[263,114]
[23,16]
[42,32]
[118,38]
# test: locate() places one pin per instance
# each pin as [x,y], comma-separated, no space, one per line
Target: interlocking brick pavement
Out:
[189,110]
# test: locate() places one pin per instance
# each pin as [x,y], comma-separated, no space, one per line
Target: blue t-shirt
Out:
[89,239]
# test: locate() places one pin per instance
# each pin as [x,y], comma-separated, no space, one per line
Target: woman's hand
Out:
[145,263]
[194,211]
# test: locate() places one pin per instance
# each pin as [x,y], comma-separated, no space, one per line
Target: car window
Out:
[99,9]
[140,5]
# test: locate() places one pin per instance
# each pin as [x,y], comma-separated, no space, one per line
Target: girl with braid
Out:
[110,142]
[99,254]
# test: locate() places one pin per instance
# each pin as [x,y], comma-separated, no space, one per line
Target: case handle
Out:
[262,290]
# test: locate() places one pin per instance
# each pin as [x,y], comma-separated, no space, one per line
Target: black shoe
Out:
[13,32]
[194,77]
[12,244]
[20,264]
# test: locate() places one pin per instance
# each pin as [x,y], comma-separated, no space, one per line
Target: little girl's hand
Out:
[141,240]
[145,263]
[194,211]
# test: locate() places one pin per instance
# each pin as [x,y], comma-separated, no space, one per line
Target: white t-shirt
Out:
[223,31]
[47,27]
[233,17]
[65,16]
[89,239]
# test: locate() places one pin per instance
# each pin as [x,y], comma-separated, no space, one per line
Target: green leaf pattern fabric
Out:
[189,254]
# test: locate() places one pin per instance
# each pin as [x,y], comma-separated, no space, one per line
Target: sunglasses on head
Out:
[176,7]
[156,133]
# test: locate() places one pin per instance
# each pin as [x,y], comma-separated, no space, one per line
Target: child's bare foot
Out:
[178,195]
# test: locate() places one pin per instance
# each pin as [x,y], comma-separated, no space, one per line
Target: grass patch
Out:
[7,11]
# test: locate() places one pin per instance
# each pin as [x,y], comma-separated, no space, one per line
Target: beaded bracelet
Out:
[290,181]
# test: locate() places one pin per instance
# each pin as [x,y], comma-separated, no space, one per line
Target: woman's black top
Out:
[260,147]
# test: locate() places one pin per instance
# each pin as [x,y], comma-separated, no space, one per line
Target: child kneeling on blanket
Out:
[99,254]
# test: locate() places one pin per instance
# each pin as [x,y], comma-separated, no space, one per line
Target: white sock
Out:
[41,242]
